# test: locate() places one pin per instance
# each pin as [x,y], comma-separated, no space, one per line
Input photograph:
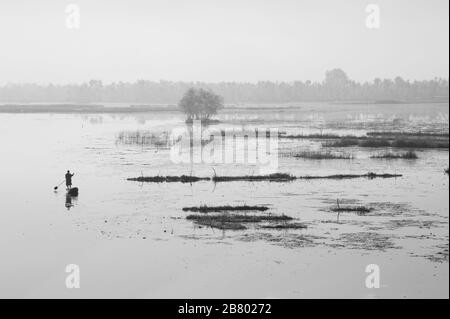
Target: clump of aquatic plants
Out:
[409,142]
[344,142]
[285,226]
[319,136]
[410,155]
[212,209]
[419,143]
[169,179]
[322,155]
[365,241]
[351,176]
[234,221]
[408,134]
[145,138]
[360,210]
[278,177]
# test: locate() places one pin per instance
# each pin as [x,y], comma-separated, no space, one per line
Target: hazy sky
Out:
[221,40]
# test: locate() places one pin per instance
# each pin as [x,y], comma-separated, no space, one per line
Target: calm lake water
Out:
[133,240]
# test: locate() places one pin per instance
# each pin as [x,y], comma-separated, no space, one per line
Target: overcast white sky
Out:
[221,40]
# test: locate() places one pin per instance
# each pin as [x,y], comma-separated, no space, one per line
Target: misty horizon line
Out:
[199,82]
[335,86]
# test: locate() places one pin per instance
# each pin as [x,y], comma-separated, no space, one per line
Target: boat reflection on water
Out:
[69,203]
[71,198]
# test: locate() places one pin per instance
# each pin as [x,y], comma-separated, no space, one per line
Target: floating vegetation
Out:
[215,209]
[285,226]
[234,221]
[410,155]
[360,210]
[191,179]
[319,136]
[400,223]
[365,241]
[223,225]
[417,143]
[352,176]
[388,209]
[204,121]
[441,256]
[289,240]
[169,179]
[145,138]
[323,155]
[408,134]
[278,177]
[239,218]
[374,143]
[344,142]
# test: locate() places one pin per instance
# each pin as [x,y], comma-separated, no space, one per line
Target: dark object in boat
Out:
[73,192]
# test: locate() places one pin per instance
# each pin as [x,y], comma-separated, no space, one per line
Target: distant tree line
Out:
[335,87]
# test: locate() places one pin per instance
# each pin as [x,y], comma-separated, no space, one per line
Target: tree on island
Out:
[200,104]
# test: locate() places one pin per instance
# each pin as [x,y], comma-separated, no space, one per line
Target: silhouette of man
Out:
[69,180]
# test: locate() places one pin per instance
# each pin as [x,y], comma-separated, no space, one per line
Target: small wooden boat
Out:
[73,192]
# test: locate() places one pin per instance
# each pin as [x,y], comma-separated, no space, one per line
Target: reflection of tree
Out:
[336,86]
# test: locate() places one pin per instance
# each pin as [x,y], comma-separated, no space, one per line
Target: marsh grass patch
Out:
[285,226]
[290,240]
[406,142]
[318,136]
[360,210]
[410,155]
[145,139]
[439,254]
[350,206]
[366,241]
[215,209]
[393,134]
[421,224]
[277,177]
[352,176]
[234,221]
[314,155]
[382,209]
[169,179]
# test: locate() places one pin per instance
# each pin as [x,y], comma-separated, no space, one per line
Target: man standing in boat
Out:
[69,180]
